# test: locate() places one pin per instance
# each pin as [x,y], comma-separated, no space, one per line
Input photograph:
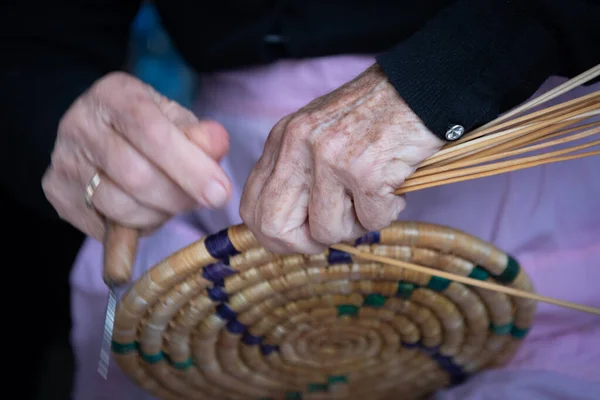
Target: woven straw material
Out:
[225,319]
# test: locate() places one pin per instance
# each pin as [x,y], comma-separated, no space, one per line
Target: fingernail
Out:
[215,194]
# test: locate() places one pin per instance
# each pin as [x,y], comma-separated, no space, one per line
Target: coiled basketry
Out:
[225,319]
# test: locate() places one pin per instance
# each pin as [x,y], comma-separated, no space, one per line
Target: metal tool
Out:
[109,322]
[119,256]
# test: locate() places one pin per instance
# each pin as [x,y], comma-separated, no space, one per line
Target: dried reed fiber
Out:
[500,146]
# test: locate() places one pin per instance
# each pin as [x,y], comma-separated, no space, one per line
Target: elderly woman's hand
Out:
[156,159]
[328,172]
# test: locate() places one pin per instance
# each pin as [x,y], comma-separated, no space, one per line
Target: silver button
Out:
[455,132]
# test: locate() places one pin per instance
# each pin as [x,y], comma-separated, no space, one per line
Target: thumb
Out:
[210,136]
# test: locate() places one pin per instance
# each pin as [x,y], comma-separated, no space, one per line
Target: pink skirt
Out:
[547,217]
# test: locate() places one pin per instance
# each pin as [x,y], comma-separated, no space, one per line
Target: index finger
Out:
[140,121]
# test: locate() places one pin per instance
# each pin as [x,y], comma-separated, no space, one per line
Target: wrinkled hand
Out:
[156,159]
[329,171]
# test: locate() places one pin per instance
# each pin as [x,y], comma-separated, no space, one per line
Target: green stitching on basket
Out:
[405,289]
[519,333]
[123,348]
[510,272]
[335,379]
[514,331]
[182,365]
[347,309]
[317,387]
[479,273]
[501,329]
[438,284]
[293,396]
[120,348]
[152,358]
[375,300]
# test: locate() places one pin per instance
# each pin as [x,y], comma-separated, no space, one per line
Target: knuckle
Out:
[376,224]
[247,213]
[282,123]
[170,107]
[365,177]
[63,167]
[158,133]
[82,120]
[48,187]
[115,78]
[149,123]
[377,219]
[327,151]
[101,94]
[59,162]
[136,177]
[298,126]
[72,123]
[138,110]
[324,233]
[67,122]
[275,138]
[271,228]
[104,85]
[293,143]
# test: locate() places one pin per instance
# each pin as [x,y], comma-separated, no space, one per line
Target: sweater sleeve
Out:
[52,51]
[476,59]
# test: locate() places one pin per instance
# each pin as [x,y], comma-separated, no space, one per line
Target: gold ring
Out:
[90,189]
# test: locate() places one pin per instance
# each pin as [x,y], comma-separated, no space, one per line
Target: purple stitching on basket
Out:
[235,326]
[369,238]
[456,373]
[217,293]
[217,272]
[267,349]
[430,350]
[225,312]
[339,257]
[251,340]
[219,246]
[410,345]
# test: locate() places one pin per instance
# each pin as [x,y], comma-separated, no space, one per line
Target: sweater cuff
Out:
[471,62]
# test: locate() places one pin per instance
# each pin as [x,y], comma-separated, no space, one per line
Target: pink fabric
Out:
[522,385]
[547,217]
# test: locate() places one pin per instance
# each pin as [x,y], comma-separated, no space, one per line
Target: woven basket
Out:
[225,319]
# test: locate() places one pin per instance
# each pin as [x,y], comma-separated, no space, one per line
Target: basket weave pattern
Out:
[225,319]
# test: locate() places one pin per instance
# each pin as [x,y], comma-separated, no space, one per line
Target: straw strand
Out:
[525,162]
[466,280]
[498,171]
[469,161]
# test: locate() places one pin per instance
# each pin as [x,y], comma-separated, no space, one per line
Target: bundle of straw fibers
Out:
[526,137]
